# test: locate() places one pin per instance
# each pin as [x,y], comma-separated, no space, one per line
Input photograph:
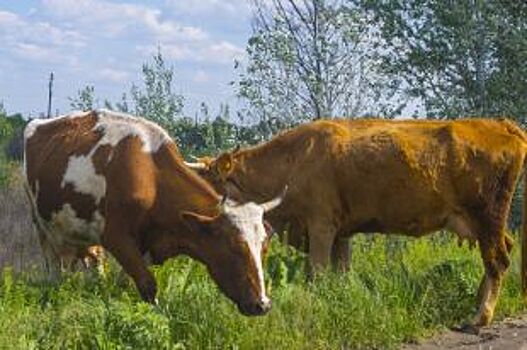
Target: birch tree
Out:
[310,59]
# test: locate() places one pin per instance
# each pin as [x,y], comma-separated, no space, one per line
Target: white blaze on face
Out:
[248,218]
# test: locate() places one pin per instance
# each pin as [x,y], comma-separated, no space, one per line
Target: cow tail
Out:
[524,233]
[37,220]
[514,129]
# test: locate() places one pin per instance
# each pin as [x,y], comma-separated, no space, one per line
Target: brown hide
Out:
[105,178]
[409,177]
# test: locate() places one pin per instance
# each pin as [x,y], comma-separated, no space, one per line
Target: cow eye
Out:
[268,229]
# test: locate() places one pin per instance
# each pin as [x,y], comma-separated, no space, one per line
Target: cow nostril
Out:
[263,306]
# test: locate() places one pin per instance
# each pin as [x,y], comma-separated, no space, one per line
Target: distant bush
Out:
[11,136]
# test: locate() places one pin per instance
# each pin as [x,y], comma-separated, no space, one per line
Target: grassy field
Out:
[397,291]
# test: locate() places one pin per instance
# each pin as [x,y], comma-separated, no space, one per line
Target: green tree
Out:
[11,135]
[457,57]
[122,106]
[6,128]
[308,60]
[85,99]
[156,100]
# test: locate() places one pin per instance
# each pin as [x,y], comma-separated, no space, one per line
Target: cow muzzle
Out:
[259,308]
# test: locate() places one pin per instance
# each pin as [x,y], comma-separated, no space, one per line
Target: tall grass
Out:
[384,300]
[19,247]
[398,290]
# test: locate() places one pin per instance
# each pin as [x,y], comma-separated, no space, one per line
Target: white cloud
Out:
[8,19]
[176,52]
[14,27]
[35,53]
[222,52]
[149,28]
[114,19]
[38,41]
[104,42]
[201,77]
[114,75]
[231,7]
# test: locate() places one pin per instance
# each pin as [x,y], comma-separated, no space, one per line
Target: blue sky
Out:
[104,42]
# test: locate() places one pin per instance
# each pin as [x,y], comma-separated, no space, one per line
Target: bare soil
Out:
[509,334]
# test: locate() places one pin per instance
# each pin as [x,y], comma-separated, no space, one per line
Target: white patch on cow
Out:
[114,127]
[32,126]
[248,218]
[80,172]
[77,114]
[117,126]
[68,230]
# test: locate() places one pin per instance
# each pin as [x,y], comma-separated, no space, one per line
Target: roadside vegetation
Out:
[398,290]
[428,59]
[389,297]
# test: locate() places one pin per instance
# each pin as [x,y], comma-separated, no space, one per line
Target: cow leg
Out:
[495,255]
[94,258]
[482,286]
[321,238]
[119,240]
[340,254]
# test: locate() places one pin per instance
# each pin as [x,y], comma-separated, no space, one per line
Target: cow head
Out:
[233,246]
[222,173]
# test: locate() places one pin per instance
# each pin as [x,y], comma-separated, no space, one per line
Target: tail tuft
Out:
[524,237]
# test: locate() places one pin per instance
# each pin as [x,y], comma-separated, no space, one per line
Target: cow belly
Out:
[69,233]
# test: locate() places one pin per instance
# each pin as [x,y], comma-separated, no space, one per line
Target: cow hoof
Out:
[467,328]
[148,293]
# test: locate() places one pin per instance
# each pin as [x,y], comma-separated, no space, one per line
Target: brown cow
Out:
[103,178]
[411,177]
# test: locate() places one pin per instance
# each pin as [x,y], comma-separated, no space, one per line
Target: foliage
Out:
[156,101]
[85,99]
[382,302]
[458,58]
[311,60]
[11,139]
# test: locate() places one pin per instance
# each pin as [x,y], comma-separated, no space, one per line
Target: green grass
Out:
[394,293]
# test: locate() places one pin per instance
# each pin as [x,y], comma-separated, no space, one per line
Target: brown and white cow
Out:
[410,177]
[110,179]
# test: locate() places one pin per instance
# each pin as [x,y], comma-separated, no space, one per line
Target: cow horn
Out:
[273,203]
[196,166]
[223,203]
[223,200]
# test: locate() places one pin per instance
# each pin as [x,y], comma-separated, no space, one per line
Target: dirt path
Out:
[509,334]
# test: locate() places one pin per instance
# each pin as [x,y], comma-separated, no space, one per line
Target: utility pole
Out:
[50,93]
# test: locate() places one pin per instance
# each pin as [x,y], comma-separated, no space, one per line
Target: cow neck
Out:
[185,191]
[263,171]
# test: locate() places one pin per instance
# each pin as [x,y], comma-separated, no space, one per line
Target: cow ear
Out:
[197,223]
[224,165]
[206,161]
